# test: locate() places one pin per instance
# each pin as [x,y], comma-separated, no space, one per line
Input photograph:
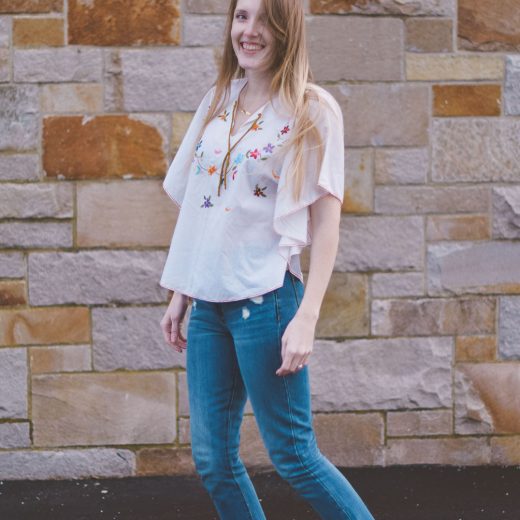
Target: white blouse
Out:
[237,242]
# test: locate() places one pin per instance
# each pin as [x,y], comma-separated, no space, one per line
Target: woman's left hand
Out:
[297,343]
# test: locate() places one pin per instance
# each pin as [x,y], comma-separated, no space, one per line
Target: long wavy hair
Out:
[292,78]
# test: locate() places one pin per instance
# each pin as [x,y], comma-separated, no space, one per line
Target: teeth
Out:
[251,47]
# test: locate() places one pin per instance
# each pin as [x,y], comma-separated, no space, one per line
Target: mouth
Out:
[251,48]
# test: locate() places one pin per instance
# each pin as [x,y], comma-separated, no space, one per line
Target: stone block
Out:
[63,64]
[350,439]
[127,213]
[166,79]
[38,32]
[435,316]
[113,81]
[505,451]
[512,86]
[476,149]
[394,7]
[457,227]
[429,199]
[453,67]
[252,449]
[506,212]
[461,451]
[96,409]
[429,34]
[31,6]
[13,382]
[508,329]
[487,398]
[19,117]
[111,22]
[475,348]
[477,30]
[164,462]
[184,430]
[356,48]
[371,112]
[204,31]
[72,97]
[96,277]
[70,358]
[417,423]
[12,292]
[131,338]
[36,200]
[19,167]
[207,6]
[386,373]
[401,166]
[14,435]
[180,123]
[12,265]
[393,285]
[35,235]
[66,464]
[5,54]
[380,243]
[467,100]
[344,310]
[46,325]
[473,267]
[119,145]
[359,181]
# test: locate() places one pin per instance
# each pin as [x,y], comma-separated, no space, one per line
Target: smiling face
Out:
[251,36]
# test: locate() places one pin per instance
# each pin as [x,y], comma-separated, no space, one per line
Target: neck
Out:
[258,84]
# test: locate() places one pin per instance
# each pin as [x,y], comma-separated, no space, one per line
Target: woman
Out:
[259,172]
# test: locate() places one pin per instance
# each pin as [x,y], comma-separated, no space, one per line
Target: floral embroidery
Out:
[217,151]
[259,192]
[275,175]
[239,158]
[207,202]
[285,129]
[212,169]
[256,126]
[224,116]
[269,148]
[234,171]
[198,145]
[255,154]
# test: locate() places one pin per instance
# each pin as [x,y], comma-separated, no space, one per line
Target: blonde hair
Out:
[292,79]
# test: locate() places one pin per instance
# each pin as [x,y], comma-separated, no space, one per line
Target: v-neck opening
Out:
[253,116]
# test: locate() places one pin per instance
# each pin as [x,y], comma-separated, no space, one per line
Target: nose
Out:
[253,27]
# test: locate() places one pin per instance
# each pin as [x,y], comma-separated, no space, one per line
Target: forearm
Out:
[323,252]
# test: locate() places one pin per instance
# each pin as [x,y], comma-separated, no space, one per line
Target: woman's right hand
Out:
[172,321]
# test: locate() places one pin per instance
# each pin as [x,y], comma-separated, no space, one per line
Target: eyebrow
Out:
[241,11]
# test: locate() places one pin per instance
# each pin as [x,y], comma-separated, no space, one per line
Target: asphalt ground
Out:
[391,493]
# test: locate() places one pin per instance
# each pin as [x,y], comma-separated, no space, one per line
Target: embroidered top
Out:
[239,227]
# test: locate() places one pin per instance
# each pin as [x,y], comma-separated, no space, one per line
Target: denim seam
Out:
[307,469]
[277,309]
[228,459]
[294,289]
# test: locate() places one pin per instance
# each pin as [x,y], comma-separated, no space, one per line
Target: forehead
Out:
[250,5]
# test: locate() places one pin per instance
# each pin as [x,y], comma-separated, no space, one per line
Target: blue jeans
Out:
[234,349]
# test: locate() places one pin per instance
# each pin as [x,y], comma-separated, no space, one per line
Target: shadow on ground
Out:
[392,493]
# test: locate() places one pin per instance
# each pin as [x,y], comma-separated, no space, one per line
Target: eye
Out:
[240,16]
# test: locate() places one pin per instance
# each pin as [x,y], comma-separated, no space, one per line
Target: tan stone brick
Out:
[44,325]
[72,97]
[402,7]
[71,358]
[38,32]
[467,100]
[344,309]
[103,146]
[359,181]
[12,292]
[97,409]
[5,53]
[488,25]
[180,123]
[475,348]
[462,451]
[111,22]
[119,214]
[207,6]
[433,316]
[505,451]
[184,430]
[401,166]
[487,398]
[421,422]
[506,212]
[31,6]
[350,439]
[429,34]
[252,449]
[164,461]
[452,67]
[457,227]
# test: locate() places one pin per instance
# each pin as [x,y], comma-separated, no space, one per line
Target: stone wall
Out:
[418,348]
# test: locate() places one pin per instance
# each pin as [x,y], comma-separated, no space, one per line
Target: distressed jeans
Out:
[234,349]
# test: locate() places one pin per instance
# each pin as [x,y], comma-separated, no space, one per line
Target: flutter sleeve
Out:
[292,218]
[177,175]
